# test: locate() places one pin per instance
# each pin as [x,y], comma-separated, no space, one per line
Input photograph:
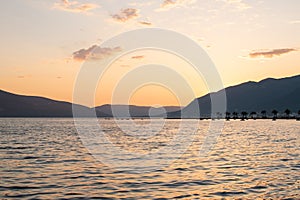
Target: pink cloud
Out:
[94,53]
[75,6]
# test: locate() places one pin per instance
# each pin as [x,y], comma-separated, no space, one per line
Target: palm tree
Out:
[218,115]
[227,115]
[274,112]
[264,114]
[287,113]
[235,115]
[253,115]
[244,115]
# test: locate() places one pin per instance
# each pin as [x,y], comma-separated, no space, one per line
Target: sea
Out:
[50,158]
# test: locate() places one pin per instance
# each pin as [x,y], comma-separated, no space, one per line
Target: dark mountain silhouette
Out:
[108,110]
[13,105]
[267,94]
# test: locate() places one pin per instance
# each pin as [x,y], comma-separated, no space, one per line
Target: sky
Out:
[45,44]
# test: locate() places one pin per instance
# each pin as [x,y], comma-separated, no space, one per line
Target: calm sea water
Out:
[45,159]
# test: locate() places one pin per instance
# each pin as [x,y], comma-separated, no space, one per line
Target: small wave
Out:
[224,194]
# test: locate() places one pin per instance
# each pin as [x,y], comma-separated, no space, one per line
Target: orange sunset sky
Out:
[45,43]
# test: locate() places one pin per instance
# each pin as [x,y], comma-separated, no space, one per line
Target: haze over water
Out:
[44,158]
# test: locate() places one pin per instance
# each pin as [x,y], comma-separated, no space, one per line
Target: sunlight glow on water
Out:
[44,158]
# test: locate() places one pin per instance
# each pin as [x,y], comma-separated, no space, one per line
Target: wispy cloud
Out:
[270,53]
[24,76]
[75,6]
[138,57]
[238,4]
[125,65]
[146,23]
[125,14]
[141,4]
[94,53]
[295,22]
[168,4]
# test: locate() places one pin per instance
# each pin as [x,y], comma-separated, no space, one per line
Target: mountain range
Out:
[14,105]
[268,94]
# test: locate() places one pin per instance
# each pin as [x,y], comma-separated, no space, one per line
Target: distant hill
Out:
[134,111]
[13,105]
[268,94]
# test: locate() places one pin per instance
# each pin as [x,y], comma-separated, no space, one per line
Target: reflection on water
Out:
[44,158]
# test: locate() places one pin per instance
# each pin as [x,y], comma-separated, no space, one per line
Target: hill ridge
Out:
[267,94]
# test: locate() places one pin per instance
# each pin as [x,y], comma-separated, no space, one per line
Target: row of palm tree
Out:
[253,115]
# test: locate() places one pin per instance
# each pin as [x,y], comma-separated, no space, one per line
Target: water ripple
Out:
[45,159]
